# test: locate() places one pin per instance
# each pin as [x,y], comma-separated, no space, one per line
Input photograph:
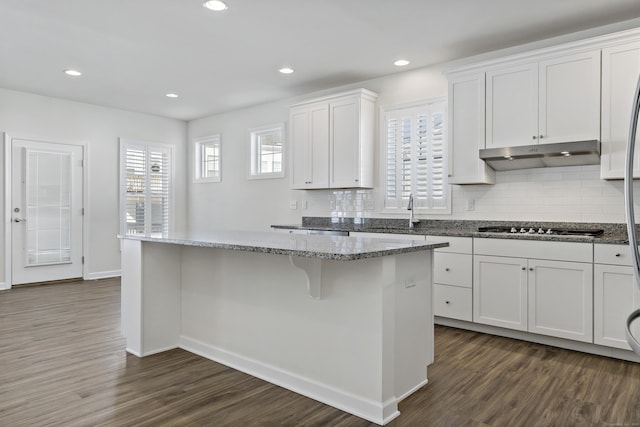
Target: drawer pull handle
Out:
[618,255]
[446,269]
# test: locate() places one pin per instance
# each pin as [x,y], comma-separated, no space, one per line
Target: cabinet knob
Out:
[618,255]
[524,268]
[531,269]
[446,269]
[541,136]
[535,137]
[356,179]
[447,302]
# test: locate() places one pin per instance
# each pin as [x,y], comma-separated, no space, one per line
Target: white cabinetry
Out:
[332,141]
[552,100]
[467,130]
[615,295]
[500,291]
[620,70]
[520,285]
[452,278]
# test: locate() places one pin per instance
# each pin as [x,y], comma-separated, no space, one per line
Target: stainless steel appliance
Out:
[628,201]
[541,230]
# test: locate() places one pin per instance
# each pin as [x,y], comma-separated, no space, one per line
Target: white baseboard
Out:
[377,412]
[102,275]
[4,287]
[583,347]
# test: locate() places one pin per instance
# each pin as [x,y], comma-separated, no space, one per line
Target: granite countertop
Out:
[613,233]
[338,248]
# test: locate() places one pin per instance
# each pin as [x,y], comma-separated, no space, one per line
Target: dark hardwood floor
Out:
[62,363]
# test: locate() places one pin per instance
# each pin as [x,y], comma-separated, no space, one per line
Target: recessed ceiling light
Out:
[286,70]
[172,95]
[401,62]
[74,73]
[215,5]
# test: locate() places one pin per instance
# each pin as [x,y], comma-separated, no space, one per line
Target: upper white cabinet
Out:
[512,106]
[467,130]
[620,70]
[548,101]
[332,141]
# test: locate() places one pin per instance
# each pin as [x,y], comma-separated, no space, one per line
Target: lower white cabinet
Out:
[500,291]
[561,299]
[615,295]
[453,278]
[542,296]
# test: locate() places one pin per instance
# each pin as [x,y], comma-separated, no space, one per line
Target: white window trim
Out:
[171,149]
[253,151]
[402,210]
[197,156]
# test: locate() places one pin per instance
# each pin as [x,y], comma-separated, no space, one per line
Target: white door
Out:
[570,98]
[561,299]
[512,106]
[615,295]
[46,211]
[500,291]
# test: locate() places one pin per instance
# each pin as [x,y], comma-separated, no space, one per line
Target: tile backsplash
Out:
[573,194]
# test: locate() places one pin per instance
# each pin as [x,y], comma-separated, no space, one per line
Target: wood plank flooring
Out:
[62,363]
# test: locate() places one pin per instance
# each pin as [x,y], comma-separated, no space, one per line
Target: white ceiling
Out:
[133,52]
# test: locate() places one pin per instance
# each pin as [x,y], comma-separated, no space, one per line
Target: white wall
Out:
[50,119]
[552,194]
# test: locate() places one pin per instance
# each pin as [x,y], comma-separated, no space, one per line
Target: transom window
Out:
[416,157]
[267,152]
[207,159]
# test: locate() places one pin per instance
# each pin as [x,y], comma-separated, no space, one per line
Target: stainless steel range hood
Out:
[543,155]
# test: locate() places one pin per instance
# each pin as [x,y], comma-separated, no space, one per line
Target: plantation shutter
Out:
[416,157]
[145,188]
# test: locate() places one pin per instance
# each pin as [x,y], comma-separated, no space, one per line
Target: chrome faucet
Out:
[412,220]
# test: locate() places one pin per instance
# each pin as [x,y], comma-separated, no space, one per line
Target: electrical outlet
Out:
[369,205]
[293,205]
[410,283]
[305,205]
[332,205]
[471,204]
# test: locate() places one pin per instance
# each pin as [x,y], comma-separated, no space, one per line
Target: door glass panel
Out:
[48,186]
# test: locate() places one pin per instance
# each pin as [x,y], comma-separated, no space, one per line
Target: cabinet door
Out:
[310,146]
[467,131]
[561,299]
[500,291]
[300,148]
[512,106]
[620,70]
[569,98]
[615,296]
[344,143]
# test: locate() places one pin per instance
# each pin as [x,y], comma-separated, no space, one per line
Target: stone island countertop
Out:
[338,248]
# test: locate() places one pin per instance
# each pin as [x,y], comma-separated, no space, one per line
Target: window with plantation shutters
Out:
[416,157]
[145,193]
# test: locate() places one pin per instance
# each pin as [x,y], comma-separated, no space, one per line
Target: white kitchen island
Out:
[346,321]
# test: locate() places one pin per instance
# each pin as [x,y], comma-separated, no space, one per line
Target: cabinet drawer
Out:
[461,245]
[452,269]
[453,302]
[612,254]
